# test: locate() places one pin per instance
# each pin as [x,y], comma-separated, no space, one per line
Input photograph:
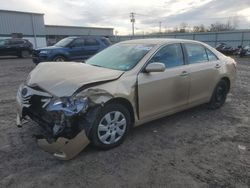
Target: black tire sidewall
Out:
[214,104]
[94,131]
[23,52]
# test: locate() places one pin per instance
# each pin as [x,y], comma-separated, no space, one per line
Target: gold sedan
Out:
[125,85]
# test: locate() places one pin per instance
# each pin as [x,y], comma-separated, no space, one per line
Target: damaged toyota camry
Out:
[123,86]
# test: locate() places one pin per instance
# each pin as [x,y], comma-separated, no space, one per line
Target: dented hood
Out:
[64,78]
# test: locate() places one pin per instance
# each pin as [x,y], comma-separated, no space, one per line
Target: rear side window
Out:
[91,42]
[106,41]
[171,55]
[211,55]
[196,53]
[78,42]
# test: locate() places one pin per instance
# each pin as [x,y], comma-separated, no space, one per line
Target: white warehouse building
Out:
[23,25]
[28,25]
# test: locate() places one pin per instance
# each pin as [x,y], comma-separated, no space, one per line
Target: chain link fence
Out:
[232,38]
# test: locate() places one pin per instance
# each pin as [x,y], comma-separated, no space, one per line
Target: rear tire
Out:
[25,54]
[111,126]
[219,95]
[59,59]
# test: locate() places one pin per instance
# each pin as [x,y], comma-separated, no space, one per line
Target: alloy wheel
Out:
[112,127]
[59,59]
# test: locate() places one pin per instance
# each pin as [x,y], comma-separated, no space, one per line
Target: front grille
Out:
[24,99]
[38,113]
[35,53]
[34,101]
[26,94]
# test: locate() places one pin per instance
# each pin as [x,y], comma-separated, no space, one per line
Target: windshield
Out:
[64,42]
[120,56]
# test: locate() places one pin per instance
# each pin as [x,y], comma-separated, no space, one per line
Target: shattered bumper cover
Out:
[62,148]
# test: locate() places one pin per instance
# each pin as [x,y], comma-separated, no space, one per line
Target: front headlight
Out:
[44,52]
[69,105]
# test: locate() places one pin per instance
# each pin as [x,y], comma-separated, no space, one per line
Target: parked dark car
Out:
[225,49]
[15,47]
[243,51]
[71,49]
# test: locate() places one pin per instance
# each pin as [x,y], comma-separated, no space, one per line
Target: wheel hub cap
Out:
[112,127]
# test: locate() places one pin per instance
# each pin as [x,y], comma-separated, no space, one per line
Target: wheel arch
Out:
[126,103]
[58,55]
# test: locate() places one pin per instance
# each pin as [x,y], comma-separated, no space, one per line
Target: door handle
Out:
[184,73]
[217,66]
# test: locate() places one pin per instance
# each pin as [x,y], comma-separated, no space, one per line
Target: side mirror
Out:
[155,67]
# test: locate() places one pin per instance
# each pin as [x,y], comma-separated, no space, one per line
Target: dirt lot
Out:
[195,148]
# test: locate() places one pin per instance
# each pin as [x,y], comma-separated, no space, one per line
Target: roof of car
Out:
[76,37]
[157,41]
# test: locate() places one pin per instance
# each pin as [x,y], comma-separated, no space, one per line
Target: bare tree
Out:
[176,29]
[183,27]
[231,24]
[199,28]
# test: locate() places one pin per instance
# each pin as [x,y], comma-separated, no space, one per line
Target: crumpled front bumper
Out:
[62,148]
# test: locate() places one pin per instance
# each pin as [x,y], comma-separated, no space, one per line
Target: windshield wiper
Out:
[96,65]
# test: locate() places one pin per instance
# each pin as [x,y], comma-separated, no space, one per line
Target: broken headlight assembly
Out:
[69,105]
[64,110]
[69,139]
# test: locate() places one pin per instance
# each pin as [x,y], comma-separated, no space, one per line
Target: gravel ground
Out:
[195,148]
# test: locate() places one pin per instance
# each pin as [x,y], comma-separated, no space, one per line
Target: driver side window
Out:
[170,55]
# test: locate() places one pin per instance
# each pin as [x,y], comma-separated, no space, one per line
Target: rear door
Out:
[163,92]
[91,47]
[204,69]
[16,46]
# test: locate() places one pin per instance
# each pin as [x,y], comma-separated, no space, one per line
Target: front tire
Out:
[111,126]
[219,95]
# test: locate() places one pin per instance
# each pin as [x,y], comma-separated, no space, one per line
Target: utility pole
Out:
[160,27]
[132,20]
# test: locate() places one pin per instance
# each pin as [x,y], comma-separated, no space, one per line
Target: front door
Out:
[76,51]
[163,92]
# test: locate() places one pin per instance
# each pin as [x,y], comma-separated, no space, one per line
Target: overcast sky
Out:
[115,13]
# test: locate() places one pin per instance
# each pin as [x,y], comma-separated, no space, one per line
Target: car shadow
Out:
[157,125]
[12,57]
[170,120]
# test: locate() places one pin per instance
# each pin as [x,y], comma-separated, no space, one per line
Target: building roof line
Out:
[22,12]
[82,27]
